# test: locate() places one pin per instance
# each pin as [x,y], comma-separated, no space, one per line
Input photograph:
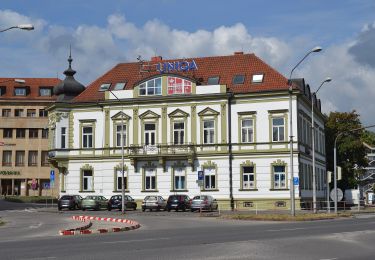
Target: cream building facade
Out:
[226,116]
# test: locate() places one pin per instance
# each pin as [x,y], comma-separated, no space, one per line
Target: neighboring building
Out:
[227,116]
[24,168]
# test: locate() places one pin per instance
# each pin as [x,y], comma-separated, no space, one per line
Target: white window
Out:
[150,88]
[63,137]
[20,91]
[278,129]
[179,179]
[279,181]
[178,132]
[150,133]
[209,178]
[208,131]
[150,179]
[87,137]
[119,129]
[247,130]
[45,92]
[248,178]
[87,180]
[119,179]
[257,78]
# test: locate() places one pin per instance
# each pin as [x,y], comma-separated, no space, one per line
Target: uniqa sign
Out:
[167,67]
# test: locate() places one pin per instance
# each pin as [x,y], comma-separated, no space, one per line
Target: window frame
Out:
[83,124]
[237,77]
[33,133]
[7,133]
[48,94]
[279,163]
[22,163]
[30,161]
[145,86]
[63,137]
[145,175]
[243,173]
[20,94]
[6,112]
[118,176]
[181,173]
[20,133]
[7,154]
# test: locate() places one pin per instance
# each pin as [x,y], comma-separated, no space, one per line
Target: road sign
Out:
[340,194]
[46,185]
[200,183]
[200,175]
[295,181]
[52,175]
[52,183]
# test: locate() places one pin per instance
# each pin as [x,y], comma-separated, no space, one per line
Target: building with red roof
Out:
[161,122]
[24,148]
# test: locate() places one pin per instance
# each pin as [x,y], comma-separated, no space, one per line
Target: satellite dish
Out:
[340,194]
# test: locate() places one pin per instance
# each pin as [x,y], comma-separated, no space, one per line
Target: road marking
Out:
[284,229]
[36,225]
[137,240]
[328,258]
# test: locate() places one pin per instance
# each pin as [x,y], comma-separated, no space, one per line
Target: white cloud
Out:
[43,53]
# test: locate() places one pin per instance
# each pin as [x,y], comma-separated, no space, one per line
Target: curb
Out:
[84,230]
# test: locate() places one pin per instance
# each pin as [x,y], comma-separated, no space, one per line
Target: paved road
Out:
[187,236]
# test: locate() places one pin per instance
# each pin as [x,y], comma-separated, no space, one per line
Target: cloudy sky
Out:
[103,33]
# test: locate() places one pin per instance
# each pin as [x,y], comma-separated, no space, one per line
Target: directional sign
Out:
[46,185]
[200,175]
[295,181]
[52,175]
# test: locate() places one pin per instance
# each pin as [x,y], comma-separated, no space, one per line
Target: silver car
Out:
[203,202]
[154,202]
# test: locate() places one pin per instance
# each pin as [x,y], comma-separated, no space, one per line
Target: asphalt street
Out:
[32,234]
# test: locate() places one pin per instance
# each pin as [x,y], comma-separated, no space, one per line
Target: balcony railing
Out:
[162,149]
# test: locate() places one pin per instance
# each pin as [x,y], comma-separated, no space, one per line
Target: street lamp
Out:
[27,27]
[313,141]
[335,160]
[122,156]
[292,202]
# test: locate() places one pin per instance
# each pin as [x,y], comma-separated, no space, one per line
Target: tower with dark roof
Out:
[69,88]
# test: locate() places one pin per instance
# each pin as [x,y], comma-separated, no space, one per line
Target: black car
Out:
[115,202]
[70,202]
[178,202]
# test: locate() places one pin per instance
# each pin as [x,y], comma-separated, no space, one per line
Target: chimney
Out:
[157,58]
[238,53]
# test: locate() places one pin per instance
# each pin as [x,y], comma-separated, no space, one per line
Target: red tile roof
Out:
[33,85]
[226,67]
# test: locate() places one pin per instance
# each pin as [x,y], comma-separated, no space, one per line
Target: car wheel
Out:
[184,208]
[150,209]
[192,210]
[169,210]
[135,208]
[60,208]
[83,209]
[143,209]
[109,208]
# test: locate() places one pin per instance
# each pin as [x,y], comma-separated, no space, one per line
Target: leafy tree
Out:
[368,137]
[350,150]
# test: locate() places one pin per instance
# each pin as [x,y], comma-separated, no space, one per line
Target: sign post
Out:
[200,184]
[52,183]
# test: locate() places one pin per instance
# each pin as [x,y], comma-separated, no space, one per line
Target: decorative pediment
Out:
[247,163]
[279,162]
[87,167]
[120,115]
[208,112]
[178,113]
[149,115]
[118,167]
[209,164]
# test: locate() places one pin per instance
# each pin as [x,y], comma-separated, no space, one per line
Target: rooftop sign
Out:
[176,66]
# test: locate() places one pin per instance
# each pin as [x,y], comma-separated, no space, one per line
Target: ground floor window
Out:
[209,178]
[150,179]
[279,181]
[88,180]
[119,179]
[248,177]
[179,179]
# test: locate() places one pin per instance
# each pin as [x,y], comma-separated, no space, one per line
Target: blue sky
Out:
[103,33]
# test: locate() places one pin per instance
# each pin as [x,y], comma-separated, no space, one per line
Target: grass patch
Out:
[30,199]
[285,217]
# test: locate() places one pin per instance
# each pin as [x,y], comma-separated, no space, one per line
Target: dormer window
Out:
[238,79]
[150,88]
[104,87]
[257,78]
[119,86]
[213,81]
[20,91]
[45,92]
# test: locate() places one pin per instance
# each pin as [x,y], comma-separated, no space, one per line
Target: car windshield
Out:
[66,197]
[91,198]
[151,198]
[116,197]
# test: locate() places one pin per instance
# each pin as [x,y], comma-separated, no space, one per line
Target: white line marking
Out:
[36,225]
[285,229]
[137,240]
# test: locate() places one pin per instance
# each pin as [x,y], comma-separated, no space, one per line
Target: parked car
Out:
[115,202]
[154,202]
[178,202]
[203,202]
[69,201]
[95,202]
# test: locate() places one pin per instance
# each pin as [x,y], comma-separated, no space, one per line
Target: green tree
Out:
[350,150]
[368,137]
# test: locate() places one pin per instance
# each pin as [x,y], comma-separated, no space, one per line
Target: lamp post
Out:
[335,160]
[313,141]
[27,27]
[292,202]
[122,157]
